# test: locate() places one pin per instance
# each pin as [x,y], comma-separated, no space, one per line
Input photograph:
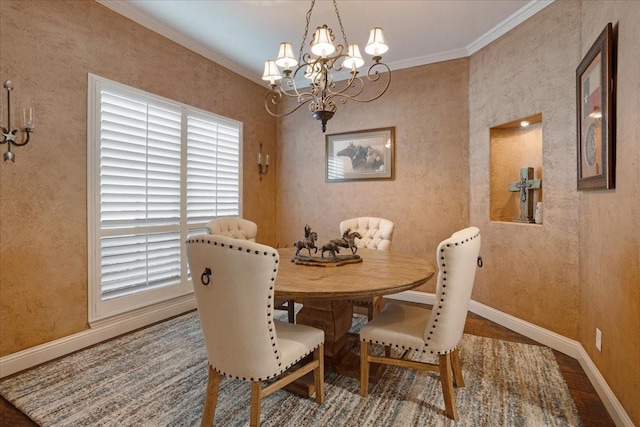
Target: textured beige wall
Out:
[610,221]
[530,271]
[427,201]
[580,269]
[47,48]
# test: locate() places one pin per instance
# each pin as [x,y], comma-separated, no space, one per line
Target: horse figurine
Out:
[332,247]
[350,239]
[308,242]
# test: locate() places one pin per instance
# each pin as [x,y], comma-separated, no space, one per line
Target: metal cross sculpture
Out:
[525,187]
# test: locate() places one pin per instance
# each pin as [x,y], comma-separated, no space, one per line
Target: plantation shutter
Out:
[213,168]
[139,189]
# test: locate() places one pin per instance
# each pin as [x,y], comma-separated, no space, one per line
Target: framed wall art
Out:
[595,98]
[360,155]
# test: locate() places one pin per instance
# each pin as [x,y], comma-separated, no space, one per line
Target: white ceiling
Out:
[242,34]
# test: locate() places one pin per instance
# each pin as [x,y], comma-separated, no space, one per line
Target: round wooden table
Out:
[379,273]
[324,292]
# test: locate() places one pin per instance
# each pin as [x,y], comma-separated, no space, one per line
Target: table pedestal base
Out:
[334,318]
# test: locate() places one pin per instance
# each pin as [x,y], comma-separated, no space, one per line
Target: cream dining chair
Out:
[234,279]
[243,229]
[433,331]
[376,233]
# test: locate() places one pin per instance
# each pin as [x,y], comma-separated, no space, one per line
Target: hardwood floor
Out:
[590,407]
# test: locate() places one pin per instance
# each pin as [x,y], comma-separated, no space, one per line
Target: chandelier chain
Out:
[306,30]
[344,35]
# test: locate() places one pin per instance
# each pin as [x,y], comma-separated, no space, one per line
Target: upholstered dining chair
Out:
[238,228]
[376,233]
[434,331]
[234,279]
[243,229]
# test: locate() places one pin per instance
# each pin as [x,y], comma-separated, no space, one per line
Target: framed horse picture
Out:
[360,155]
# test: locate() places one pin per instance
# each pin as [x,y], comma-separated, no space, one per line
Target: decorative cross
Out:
[525,187]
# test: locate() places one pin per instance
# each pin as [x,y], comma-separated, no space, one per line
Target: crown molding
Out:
[517,18]
[429,59]
[125,9]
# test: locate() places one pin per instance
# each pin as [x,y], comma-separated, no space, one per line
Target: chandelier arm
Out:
[353,82]
[267,102]
[344,97]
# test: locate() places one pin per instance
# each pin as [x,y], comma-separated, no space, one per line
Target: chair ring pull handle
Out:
[480,261]
[206,276]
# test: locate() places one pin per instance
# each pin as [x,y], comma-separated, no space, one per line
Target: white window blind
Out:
[213,165]
[158,171]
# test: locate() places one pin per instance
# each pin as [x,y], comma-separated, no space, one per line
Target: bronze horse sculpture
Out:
[346,241]
[349,240]
[332,248]
[308,242]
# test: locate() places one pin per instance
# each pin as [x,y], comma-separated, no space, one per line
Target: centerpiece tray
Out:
[338,261]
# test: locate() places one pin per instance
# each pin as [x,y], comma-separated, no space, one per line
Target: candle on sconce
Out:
[259,158]
[267,160]
[28,118]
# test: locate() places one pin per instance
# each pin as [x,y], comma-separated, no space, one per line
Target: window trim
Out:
[100,311]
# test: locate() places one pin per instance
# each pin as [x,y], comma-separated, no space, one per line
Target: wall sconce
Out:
[9,135]
[262,168]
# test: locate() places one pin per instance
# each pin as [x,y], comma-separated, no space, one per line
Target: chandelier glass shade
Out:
[319,65]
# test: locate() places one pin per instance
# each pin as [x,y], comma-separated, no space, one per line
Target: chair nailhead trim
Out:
[269,314]
[443,266]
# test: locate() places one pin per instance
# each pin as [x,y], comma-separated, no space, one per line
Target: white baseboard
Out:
[31,357]
[543,336]
[611,402]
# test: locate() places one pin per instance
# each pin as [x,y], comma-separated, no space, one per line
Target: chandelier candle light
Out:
[9,135]
[325,58]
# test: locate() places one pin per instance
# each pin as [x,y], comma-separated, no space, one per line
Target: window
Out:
[158,171]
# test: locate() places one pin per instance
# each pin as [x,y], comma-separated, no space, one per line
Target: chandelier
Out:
[318,67]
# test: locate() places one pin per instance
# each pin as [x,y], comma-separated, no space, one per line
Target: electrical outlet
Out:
[598,339]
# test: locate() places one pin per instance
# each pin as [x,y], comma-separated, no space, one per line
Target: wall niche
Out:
[514,146]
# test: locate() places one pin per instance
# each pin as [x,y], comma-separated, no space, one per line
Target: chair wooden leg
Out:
[291,312]
[211,398]
[256,399]
[364,368]
[458,381]
[446,379]
[370,309]
[379,303]
[318,374]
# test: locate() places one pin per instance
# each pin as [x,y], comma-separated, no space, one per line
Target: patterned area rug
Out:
[157,377]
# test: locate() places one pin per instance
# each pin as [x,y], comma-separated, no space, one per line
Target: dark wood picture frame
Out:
[360,155]
[595,99]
